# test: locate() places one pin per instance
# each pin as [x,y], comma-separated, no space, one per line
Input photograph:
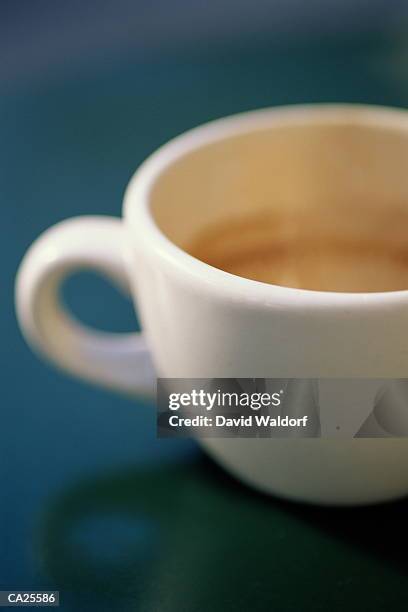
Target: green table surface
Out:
[92,503]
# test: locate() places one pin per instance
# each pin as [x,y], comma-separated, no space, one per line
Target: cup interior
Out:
[323,184]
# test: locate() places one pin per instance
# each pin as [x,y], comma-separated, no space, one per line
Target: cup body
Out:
[201,322]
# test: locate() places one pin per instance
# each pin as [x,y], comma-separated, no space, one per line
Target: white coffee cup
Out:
[199,321]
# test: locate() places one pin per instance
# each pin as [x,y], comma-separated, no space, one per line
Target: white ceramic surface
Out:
[199,321]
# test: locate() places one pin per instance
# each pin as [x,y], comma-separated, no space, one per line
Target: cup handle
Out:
[119,361]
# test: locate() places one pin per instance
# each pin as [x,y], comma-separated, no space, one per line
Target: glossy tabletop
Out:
[92,504]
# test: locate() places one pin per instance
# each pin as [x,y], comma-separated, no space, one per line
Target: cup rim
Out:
[136,204]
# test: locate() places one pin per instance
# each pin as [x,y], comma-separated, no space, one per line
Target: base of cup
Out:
[328,472]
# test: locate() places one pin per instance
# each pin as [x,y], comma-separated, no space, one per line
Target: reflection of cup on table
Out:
[322,193]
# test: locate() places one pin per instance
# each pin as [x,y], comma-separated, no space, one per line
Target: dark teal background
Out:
[91,503]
